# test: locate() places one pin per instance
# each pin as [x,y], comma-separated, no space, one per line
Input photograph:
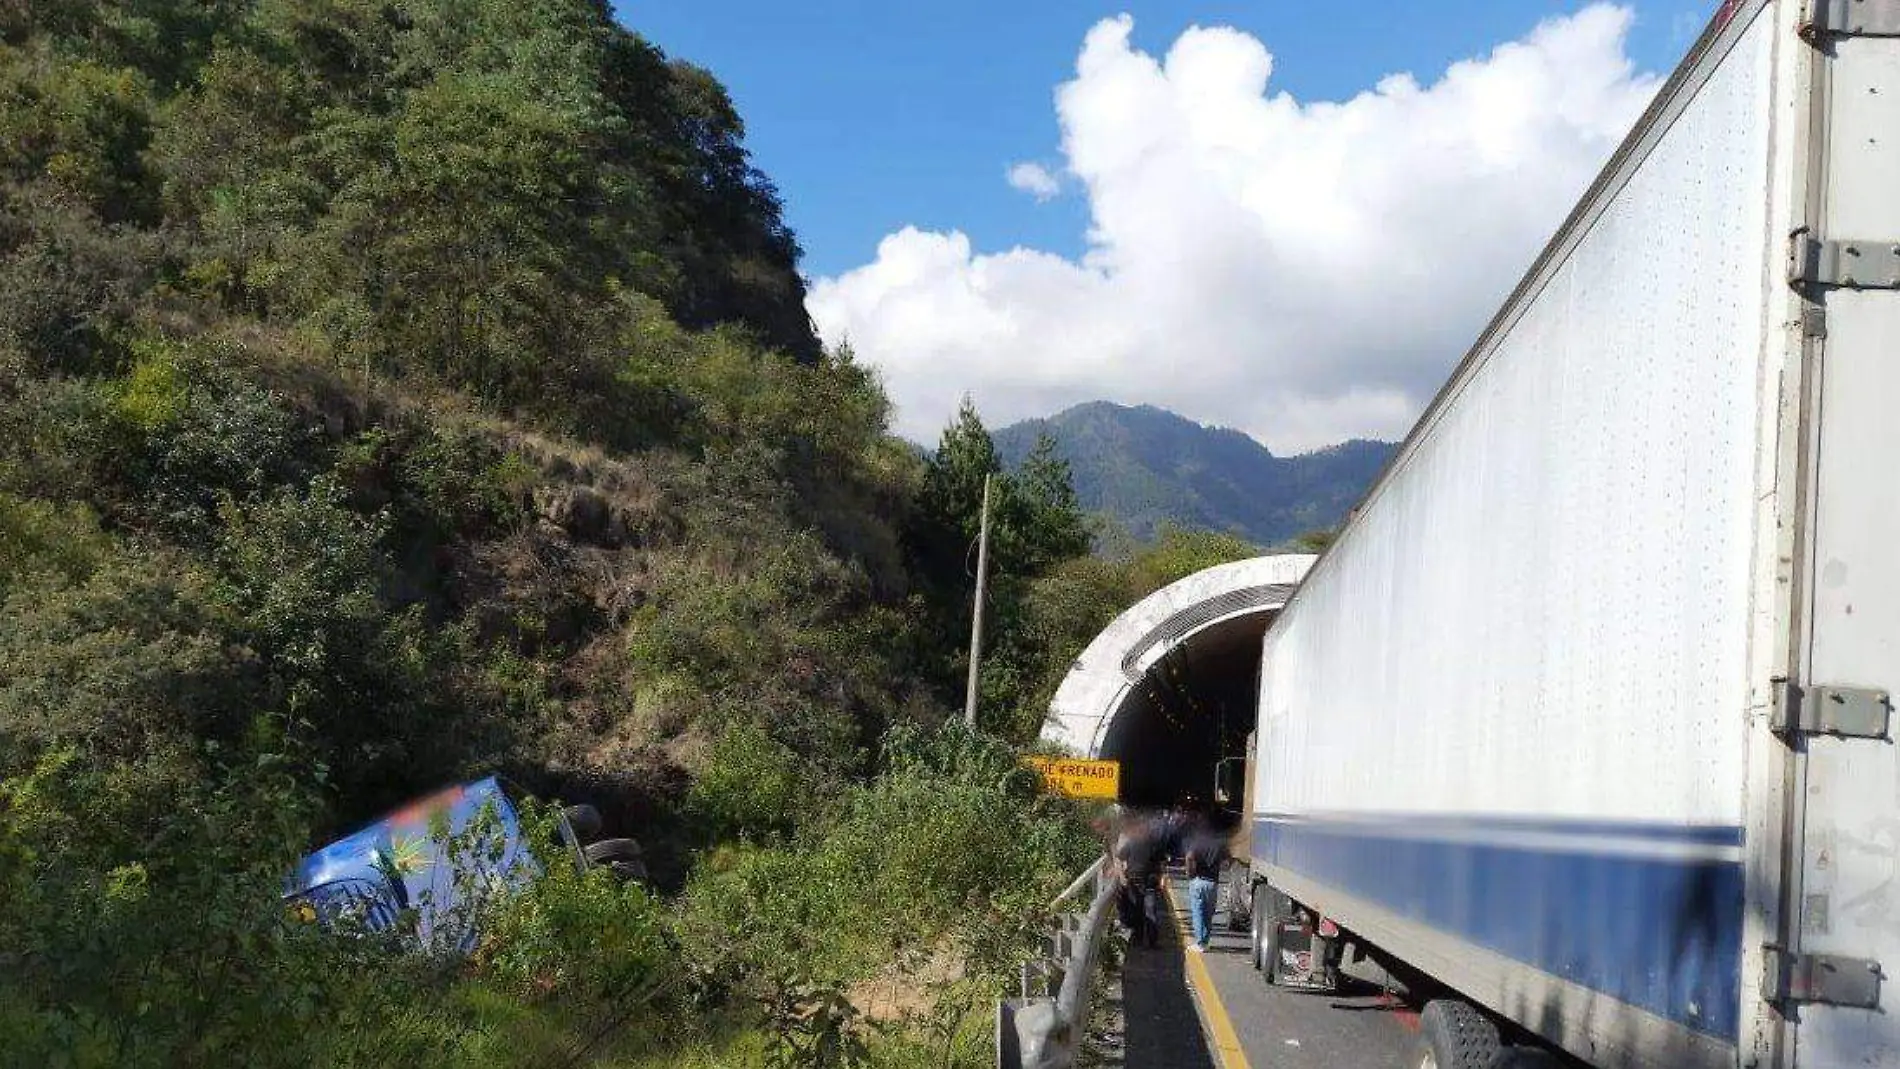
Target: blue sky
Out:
[876,114]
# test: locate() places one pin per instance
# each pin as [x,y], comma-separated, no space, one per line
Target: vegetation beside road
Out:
[392,391]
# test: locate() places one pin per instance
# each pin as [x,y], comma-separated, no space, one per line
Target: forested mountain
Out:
[1145,467]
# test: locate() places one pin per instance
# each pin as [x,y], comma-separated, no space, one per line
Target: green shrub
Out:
[751,787]
[301,571]
[581,941]
[132,662]
[951,841]
[780,633]
[1177,553]
[155,941]
[62,440]
[193,434]
[439,483]
[41,536]
[359,681]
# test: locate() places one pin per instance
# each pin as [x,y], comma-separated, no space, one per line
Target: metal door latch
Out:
[1827,979]
[1844,712]
[1866,265]
[1852,18]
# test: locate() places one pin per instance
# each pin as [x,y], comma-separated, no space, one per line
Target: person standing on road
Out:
[1138,855]
[1176,824]
[1205,852]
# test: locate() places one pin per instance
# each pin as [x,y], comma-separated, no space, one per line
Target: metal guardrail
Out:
[1044,1028]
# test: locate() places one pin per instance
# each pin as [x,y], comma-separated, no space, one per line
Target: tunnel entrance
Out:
[1168,688]
[1189,710]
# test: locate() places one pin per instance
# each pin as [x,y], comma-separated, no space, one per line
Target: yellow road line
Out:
[1220,1027]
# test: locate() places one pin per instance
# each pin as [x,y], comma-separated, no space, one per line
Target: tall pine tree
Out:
[1035,525]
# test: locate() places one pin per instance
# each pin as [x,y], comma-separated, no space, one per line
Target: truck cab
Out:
[1291,945]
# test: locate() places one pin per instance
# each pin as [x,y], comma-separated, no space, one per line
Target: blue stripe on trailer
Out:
[1659,932]
[1430,825]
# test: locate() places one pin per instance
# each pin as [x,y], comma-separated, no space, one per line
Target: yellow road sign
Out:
[1076,778]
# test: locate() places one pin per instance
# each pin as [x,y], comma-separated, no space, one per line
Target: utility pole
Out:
[976,613]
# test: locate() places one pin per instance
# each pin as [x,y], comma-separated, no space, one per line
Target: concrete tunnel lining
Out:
[1168,688]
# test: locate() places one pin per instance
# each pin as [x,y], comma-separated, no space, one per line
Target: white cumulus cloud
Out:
[1306,271]
[1033,179]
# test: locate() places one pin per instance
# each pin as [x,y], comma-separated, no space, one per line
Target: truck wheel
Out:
[1253,931]
[1454,1035]
[583,821]
[1233,884]
[618,856]
[634,871]
[1266,932]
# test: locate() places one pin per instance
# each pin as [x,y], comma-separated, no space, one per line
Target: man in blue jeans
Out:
[1206,852]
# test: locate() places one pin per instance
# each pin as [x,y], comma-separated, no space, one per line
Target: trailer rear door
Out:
[1845,906]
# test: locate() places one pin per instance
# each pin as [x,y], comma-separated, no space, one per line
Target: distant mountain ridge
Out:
[1145,466]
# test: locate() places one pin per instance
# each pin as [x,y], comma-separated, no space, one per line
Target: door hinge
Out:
[1827,979]
[1853,264]
[1845,712]
[1851,18]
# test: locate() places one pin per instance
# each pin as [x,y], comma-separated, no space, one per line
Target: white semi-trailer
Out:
[1584,720]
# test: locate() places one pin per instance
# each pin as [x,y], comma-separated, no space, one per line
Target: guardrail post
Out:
[1009,1051]
[1041,1037]
[1044,1033]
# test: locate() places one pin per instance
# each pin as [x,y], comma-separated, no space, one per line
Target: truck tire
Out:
[611,849]
[618,856]
[634,871]
[1266,932]
[1253,928]
[1235,897]
[583,821]
[1454,1035]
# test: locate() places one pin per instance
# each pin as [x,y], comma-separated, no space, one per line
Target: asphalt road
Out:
[1172,1021]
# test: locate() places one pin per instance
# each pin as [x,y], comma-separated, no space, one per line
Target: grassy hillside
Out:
[1147,468]
[394,391]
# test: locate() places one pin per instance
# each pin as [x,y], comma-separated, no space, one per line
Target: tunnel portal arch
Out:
[1169,687]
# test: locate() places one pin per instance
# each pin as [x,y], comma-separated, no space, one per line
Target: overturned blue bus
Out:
[430,867]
